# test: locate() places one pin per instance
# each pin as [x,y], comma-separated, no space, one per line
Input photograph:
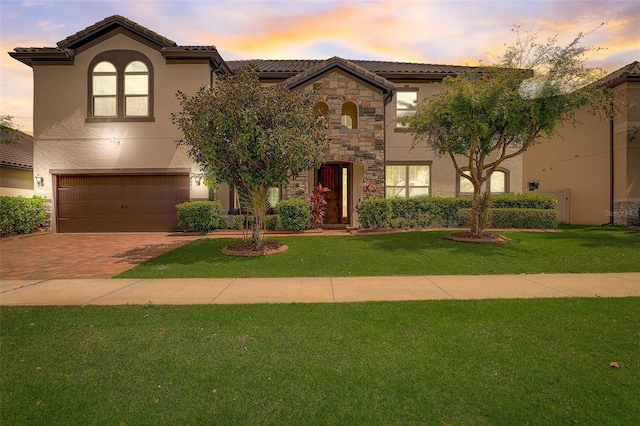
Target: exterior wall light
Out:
[197,178]
[39,181]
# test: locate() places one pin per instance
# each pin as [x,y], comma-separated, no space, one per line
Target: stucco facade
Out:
[594,166]
[360,99]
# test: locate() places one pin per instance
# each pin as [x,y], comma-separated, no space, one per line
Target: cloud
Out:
[32,3]
[49,25]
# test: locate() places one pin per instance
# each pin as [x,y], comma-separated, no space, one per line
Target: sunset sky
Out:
[444,31]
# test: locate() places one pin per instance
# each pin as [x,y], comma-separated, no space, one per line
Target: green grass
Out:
[576,249]
[490,362]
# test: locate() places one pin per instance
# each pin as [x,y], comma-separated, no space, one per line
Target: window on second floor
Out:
[136,90]
[406,102]
[349,116]
[322,109]
[120,87]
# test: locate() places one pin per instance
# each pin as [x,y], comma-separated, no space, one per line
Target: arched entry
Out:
[337,177]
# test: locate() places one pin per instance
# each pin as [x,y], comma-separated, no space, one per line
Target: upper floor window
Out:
[322,109]
[349,116]
[136,90]
[120,87]
[406,102]
[104,90]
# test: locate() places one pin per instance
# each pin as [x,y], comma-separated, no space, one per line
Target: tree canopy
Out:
[8,131]
[251,136]
[485,116]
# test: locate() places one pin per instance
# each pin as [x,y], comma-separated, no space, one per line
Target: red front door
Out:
[336,178]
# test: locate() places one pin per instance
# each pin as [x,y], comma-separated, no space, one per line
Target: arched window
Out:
[104,80]
[349,116]
[498,183]
[136,90]
[322,109]
[120,87]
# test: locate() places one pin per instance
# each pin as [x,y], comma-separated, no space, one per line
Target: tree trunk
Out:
[479,211]
[256,233]
[474,218]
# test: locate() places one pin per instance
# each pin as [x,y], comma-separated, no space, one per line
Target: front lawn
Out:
[575,249]
[489,362]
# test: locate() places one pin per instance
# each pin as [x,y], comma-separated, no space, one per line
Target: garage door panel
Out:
[120,203]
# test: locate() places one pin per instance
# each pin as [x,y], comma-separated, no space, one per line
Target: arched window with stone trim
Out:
[322,109]
[349,119]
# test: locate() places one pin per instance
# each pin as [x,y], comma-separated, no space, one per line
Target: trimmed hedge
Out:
[294,214]
[524,201]
[425,211]
[20,215]
[502,218]
[199,216]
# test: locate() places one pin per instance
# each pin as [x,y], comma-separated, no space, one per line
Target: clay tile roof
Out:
[621,75]
[110,23]
[385,67]
[381,68]
[276,65]
[19,153]
[345,65]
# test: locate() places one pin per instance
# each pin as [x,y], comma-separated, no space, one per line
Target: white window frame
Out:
[407,183]
[403,108]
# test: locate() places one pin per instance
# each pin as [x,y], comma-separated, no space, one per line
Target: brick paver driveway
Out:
[50,256]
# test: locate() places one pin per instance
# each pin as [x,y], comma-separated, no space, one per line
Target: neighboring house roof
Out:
[630,72]
[66,49]
[18,154]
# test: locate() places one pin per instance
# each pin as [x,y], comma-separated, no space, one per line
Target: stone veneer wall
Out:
[626,213]
[364,145]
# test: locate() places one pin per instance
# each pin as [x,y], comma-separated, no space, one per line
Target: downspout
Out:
[611,187]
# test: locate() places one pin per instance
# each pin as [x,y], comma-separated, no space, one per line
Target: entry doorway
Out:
[336,177]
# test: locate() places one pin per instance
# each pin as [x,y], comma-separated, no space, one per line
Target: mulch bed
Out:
[469,237]
[248,249]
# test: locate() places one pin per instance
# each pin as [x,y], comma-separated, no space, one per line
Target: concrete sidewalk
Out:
[312,290]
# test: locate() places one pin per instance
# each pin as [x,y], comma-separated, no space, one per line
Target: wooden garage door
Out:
[119,203]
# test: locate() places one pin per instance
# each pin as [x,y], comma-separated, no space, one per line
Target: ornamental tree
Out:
[8,131]
[251,136]
[493,113]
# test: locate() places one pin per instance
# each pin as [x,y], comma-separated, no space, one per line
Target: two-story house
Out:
[104,145]
[593,169]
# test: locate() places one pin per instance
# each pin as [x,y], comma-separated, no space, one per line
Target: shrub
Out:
[199,216]
[294,214]
[422,212]
[20,215]
[524,201]
[230,222]
[271,221]
[317,205]
[503,218]
[375,213]
[426,211]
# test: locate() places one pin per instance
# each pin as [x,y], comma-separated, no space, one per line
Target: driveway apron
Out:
[51,256]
